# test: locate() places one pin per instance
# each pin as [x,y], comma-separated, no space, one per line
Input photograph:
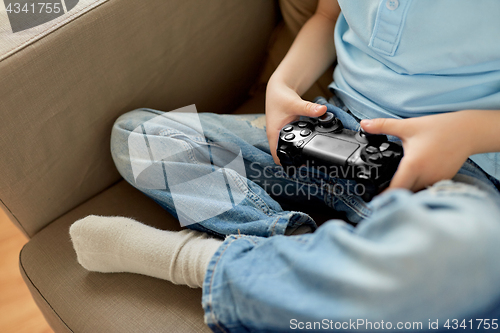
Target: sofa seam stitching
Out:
[211,284]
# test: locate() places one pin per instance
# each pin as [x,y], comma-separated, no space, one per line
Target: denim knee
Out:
[122,128]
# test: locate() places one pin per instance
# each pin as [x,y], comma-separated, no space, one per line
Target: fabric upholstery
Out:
[296,12]
[60,95]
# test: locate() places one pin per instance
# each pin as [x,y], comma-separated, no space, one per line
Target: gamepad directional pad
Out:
[370,160]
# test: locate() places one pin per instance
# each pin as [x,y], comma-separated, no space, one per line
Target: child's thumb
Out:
[309,109]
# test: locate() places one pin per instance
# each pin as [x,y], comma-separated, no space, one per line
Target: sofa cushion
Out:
[296,12]
[80,301]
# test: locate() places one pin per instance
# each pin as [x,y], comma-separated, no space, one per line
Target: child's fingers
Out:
[383,126]
[272,138]
[273,128]
[273,144]
[295,109]
[405,177]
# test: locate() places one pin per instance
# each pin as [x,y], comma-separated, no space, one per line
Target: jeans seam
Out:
[251,195]
[273,229]
[353,208]
[175,134]
[212,314]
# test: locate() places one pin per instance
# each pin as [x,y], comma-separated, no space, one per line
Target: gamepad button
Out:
[290,136]
[371,150]
[388,154]
[305,132]
[300,144]
[384,146]
[302,125]
[288,129]
[375,157]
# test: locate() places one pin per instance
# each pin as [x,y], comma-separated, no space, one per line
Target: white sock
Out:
[119,244]
[300,230]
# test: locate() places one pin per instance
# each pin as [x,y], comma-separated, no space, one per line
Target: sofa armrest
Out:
[60,95]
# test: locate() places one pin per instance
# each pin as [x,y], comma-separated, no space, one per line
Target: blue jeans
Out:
[432,255]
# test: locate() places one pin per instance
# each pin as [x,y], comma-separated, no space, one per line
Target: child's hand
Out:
[284,105]
[435,147]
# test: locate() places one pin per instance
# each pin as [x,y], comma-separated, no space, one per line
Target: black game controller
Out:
[324,143]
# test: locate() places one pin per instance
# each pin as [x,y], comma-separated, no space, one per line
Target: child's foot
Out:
[119,244]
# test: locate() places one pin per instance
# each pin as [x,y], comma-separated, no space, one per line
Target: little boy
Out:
[427,72]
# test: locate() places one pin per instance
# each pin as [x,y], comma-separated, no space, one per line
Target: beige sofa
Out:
[61,88]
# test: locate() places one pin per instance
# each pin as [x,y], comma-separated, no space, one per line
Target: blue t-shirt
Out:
[409,58]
